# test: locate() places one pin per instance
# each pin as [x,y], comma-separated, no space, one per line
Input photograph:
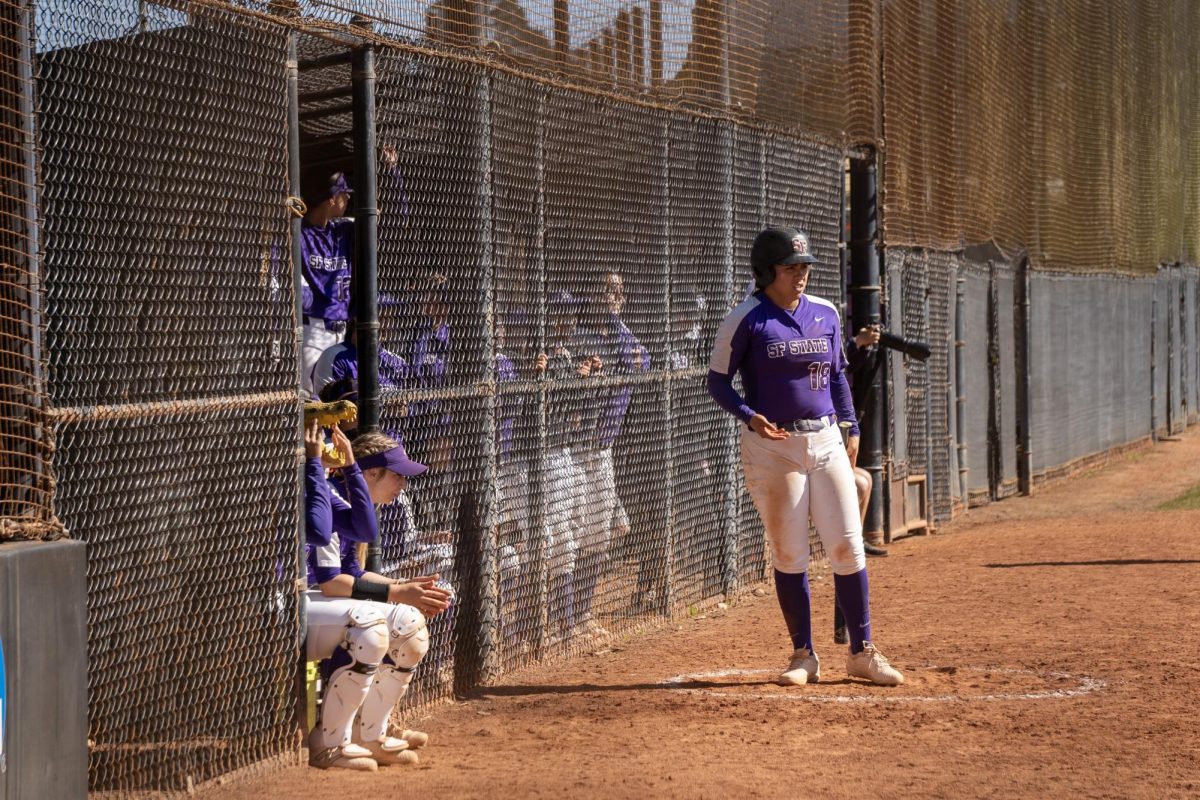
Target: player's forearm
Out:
[720,388]
[339,586]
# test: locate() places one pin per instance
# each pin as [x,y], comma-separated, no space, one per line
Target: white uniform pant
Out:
[601,498]
[314,341]
[566,490]
[327,619]
[791,479]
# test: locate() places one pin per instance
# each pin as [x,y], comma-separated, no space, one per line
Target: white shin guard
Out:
[408,644]
[367,642]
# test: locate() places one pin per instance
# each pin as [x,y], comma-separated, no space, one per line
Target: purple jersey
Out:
[339,364]
[326,254]
[351,522]
[791,362]
[326,562]
[621,354]
[430,353]
[510,404]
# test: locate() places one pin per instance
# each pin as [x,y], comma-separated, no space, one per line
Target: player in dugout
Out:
[371,628]
[326,252]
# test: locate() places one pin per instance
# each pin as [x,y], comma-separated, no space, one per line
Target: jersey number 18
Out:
[818,375]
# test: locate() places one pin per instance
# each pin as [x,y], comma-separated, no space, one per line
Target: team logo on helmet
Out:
[800,245]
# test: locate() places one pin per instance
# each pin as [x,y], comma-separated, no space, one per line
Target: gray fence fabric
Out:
[977,356]
[1090,364]
[1111,357]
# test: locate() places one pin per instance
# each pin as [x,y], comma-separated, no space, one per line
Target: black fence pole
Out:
[366,250]
[1023,330]
[864,293]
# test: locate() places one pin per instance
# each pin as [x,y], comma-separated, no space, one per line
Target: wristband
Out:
[369,590]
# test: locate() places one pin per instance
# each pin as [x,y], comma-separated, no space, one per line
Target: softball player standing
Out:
[788,348]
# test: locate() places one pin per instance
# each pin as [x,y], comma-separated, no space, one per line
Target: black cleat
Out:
[874,549]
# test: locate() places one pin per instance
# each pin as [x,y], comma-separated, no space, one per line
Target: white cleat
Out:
[415,739]
[803,668]
[350,756]
[391,752]
[872,665]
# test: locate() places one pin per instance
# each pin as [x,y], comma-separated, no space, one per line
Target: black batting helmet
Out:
[778,245]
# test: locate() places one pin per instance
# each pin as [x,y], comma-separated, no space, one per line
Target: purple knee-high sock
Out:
[794,601]
[852,596]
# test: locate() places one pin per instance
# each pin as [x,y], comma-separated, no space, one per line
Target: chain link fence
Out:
[568,194]
[584,248]
[26,485]
[172,378]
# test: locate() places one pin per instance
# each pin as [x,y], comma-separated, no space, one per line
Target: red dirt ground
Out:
[1050,645]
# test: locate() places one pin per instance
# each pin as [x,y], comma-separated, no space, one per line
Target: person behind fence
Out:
[370,629]
[566,483]
[340,364]
[858,352]
[512,480]
[326,255]
[615,351]
[787,346]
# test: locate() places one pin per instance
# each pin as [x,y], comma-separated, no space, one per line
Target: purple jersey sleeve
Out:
[354,517]
[720,387]
[318,515]
[324,561]
[728,355]
[349,561]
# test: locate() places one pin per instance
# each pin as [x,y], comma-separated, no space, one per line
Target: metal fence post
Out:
[537,477]
[864,291]
[33,316]
[366,249]
[366,256]
[995,458]
[478,610]
[1023,330]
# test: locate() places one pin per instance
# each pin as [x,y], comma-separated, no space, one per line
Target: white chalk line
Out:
[1086,685]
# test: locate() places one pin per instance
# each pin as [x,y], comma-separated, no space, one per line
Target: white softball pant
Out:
[597,465]
[805,474]
[314,341]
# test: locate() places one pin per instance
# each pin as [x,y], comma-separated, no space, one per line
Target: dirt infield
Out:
[1050,645]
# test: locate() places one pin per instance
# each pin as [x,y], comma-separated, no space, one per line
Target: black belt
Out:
[331,325]
[809,425]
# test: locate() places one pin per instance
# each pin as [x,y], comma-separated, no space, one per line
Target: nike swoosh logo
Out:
[817,319]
